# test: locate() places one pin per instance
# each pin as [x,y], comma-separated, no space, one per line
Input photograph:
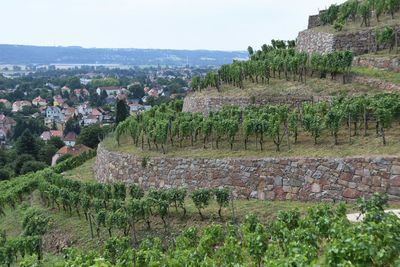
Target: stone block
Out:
[351,193]
[346,176]
[315,188]
[395,169]
[395,181]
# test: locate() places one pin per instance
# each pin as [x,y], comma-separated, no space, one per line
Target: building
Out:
[84,109]
[18,105]
[38,101]
[70,139]
[54,114]
[58,101]
[73,151]
[47,135]
[110,90]
[6,103]
[81,92]
[66,89]
[7,125]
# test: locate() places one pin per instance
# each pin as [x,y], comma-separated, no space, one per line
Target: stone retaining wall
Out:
[205,105]
[377,83]
[385,63]
[324,179]
[360,42]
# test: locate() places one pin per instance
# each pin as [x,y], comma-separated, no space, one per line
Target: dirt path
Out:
[355,217]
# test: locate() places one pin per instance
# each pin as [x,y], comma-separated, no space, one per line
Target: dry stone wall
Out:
[377,83]
[306,179]
[361,42]
[385,63]
[205,105]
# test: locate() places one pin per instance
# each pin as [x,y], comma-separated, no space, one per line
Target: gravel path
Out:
[353,217]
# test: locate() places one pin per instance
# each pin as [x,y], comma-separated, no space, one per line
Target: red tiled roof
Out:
[74,151]
[71,136]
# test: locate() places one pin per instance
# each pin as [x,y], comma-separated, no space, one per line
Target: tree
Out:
[222,197]
[46,153]
[4,174]
[91,136]
[20,160]
[333,119]
[201,199]
[73,83]
[365,13]
[32,166]
[56,142]
[392,6]
[27,144]
[72,125]
[136,91]
[122,111]
[250,51]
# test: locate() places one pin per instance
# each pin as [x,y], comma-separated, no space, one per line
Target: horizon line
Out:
[124,48]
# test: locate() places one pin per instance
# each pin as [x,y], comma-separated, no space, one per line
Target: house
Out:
[84,109]
[52,86]
[135,108]
[38,101]
[54,114]
[69,112]
[89,120]
[110,90]
[65,89]
[110,100]
[96,113]
[47,135]
[6,103]
[70,139]
[153,92]
[81,92]
[58,100]
[18,105]
[73,151]
[7,125]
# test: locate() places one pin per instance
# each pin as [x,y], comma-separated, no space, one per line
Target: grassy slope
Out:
[369,145]
[384,75]
[385,20]
[281,87]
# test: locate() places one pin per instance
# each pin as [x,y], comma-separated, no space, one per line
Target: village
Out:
[57,112]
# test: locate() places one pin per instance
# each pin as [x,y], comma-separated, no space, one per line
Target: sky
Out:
[169,24]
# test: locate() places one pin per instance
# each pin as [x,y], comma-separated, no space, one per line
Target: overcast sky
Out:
[175,24]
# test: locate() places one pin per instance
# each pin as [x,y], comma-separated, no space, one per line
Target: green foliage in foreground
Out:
[323,237]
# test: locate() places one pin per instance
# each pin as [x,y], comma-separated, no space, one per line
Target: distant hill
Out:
[23,54]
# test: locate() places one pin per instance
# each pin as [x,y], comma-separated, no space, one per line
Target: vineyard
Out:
[361,14]
[117,213]
[166,127]
[278,60]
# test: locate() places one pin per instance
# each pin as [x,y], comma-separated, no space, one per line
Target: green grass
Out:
[384,75]
[382,54]
[82,173]
[349,27]
[281,87]
[361,146]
